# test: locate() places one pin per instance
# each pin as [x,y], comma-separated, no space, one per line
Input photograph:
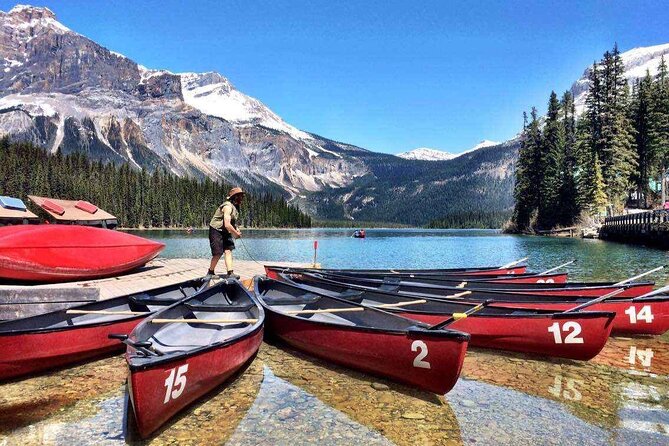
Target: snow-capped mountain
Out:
[637,62]
[427,154]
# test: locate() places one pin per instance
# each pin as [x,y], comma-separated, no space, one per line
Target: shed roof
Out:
[14,209]
[70,210]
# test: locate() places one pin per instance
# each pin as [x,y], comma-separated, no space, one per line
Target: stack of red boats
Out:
[411,326]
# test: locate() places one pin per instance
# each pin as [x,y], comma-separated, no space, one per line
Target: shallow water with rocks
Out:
[284,397]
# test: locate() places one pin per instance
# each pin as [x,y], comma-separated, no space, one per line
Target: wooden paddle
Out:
[204,321]
[548,271]
[458,316]
[326,310]
[106,312]
[516,262]
[400,304]
[631,279]
[596,300]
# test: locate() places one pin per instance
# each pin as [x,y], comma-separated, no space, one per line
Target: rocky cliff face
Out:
[62,91]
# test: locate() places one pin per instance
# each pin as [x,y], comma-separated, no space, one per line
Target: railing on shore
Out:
[650,228]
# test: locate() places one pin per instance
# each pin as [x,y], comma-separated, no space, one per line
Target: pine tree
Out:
[640,111]
[659,120]
[567,202]
[526,191]
[552,149]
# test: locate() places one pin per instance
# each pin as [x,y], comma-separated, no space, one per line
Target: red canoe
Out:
[363,338]
[416,285]
[546,333]
[640,315]
[200,343]
[273,272]
[55,339]
[57,253]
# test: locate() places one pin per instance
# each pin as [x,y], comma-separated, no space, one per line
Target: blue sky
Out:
[385,75]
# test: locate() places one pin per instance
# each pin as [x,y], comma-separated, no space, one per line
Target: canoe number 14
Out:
[644,314]
[571,328]
[175,383]
[421,348]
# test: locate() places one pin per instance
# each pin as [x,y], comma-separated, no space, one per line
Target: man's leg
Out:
[214,262]
[228,264]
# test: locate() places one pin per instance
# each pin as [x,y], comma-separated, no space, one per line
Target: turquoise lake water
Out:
[419,248]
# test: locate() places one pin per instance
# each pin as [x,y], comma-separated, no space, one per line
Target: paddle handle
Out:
[204,321]
[515,262]
[401,304]
[327,310]
[548,271]
[631,279]
[596,301]
[105,312]
[458,316]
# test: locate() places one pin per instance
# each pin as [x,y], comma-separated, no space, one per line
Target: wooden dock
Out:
[645,228]
[25,300]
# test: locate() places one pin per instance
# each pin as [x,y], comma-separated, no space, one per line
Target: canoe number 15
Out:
[175,383]
[421,348]
[571,329]
[644,314]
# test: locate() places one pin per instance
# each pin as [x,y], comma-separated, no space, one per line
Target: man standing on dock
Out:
[223,230]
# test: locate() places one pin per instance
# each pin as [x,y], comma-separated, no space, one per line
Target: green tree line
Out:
[572,167]
[137,198]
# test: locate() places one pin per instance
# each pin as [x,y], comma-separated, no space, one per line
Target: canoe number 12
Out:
[573,330]
[175,383]
[421,348]
[644,314]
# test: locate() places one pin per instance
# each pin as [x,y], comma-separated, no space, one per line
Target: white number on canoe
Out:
[645,356]
[546,281]
[645,314]
[573,330]
[421,348]
[175,384]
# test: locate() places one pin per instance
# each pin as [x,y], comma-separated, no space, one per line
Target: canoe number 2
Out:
[175,384]
[573,330]
[644,314]
[421,348]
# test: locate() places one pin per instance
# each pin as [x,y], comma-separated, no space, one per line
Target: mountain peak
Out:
[27,17]
[426,154]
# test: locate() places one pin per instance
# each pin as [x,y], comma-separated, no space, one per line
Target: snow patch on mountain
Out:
[637,62]
[214,95]
[426,154]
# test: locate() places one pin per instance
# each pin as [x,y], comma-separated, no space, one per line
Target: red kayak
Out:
[55,339]
[416,285]
[639,315]
[546,333]
[57,253]
[363,338]
[186,350]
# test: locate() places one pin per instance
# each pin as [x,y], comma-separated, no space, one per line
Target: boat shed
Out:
[13,211]
[74,212]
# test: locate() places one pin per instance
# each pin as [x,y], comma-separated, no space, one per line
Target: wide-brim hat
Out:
[235,191]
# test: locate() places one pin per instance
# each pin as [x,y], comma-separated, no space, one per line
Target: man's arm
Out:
[227,221]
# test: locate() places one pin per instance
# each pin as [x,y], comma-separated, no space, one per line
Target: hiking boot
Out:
[232,275]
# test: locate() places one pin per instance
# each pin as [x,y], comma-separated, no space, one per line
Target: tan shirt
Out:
[218,222]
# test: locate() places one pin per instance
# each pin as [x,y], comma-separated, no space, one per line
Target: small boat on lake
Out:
[55,339]
[538,332]
[58,253]
[646,314]
[359,233]
[188,349]
[363,337]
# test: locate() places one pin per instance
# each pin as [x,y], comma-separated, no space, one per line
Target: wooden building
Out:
[13,211]
[74,212]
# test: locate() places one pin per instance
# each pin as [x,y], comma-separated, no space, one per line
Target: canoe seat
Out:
[220,308]
[307,298]
[145,298]
[350,294]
